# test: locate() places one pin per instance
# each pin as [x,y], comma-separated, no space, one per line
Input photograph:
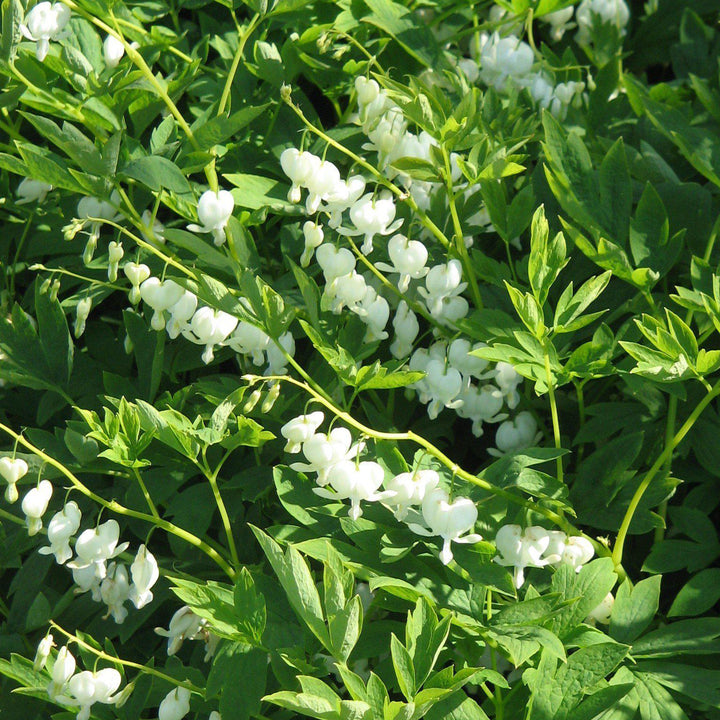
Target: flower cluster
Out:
[537,547]
[414,497]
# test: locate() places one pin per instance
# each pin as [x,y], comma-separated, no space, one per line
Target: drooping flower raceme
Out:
[521,549]
[449,520]
[214,210]
[61,528]
[45,22]
[12,470]
[35,504]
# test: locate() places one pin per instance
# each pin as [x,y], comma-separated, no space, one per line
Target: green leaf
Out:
[634,609]
[396,20]
[249,606]
[156,173]
[547,257]
[701,684]
[585,590]
[12,17]
[697,636]
[219,129]
[600,701]
[255,192]
[404,670]
[698,595]
[238,675]
[294,574]
[345,627]
[55,340]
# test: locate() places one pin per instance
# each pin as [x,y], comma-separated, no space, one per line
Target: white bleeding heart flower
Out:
[442,282]
[459,357]
[210,327]
[344,195]
[175,705]
[314,236]
[87,688]
[374,311]
[508,380]
[322,183]
[180,314]
[45,22]
[346,291]
[12,470]
[214,210]
[184,625]
[113,51]
[247,339]
[505,58]
[35,504]
[43,652]
[577,552]
[481,405]
[30,190]
[97,545]
[323,451]
[86,578]
[115,255]
[407,327]
[277,361]
[335,262]
[160,296]
[300,429]
[145,573]
[62,671]
[355,482]
[521,549]
[515,435]
[410,489]
[299,166]
[82,311]
[408,259]
[137,274]
[93,211]
[115,591]
[443,385]
[372,216]
[591,15]
[367,90]
[449,520]
[61,528]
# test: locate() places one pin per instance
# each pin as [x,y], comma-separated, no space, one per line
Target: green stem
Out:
[242,40]
[116,507]
[222,509]
[146,494]
[128,663]
[460,248]
[553,411]
[580,391]
[653,471]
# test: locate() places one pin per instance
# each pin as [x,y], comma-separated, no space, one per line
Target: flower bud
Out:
[81,315]
[12,469]
[43,652]
[113,51]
